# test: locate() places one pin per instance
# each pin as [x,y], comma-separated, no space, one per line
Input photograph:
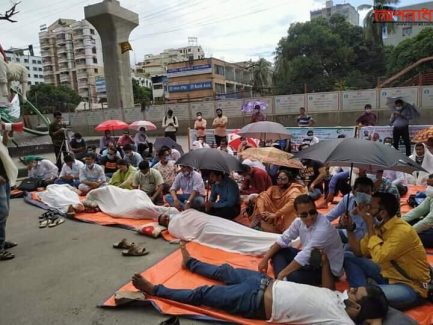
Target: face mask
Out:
[78,140]
[344,295]
[186,174]
[368,111]
[34,163]
[398,108]
[199,118]
[378,222]
[361,198]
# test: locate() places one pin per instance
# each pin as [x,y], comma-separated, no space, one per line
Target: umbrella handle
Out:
[350,182]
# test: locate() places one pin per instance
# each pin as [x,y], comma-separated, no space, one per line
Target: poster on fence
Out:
[289,104]
[408,94]
[427,97]
[325,133]
[379,133]
[322,102]
[357,99]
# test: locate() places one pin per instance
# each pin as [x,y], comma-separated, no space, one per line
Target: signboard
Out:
[206,108]
[289,104]
[356,100]
[190,87]
[324,133]
[427,97]
[322,102]
[189,70]
[408,94]
[382,132]
[230,107]
[100,85]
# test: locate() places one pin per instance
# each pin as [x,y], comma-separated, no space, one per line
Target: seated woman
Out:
[422,217]
[274,210]
[123,176]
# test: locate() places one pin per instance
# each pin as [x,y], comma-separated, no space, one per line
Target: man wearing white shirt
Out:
[254,295]
[316,233]
[42,169]
[70,173]
[91,175]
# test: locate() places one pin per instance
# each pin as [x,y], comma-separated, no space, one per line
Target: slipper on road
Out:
[5,255]
[135,251]
[123,244]
[55,222]
[10,244]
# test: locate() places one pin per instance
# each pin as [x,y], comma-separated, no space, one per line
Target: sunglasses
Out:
[312,213]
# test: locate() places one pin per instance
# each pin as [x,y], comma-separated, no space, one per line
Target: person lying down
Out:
[227,235]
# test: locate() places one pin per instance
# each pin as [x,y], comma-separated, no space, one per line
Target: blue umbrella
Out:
[249,106]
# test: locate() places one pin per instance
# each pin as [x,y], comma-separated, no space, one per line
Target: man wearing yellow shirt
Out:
[389,242]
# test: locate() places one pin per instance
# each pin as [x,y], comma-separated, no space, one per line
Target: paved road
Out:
[60,275]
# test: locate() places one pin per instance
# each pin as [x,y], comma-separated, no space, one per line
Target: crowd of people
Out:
[381,252]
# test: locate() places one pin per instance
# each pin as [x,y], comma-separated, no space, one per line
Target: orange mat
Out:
[103,219]
[169,272]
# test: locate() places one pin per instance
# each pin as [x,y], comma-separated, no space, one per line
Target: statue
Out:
[10,72]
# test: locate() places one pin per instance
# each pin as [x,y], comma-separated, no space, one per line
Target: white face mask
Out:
[398,108]
[78,140]
[186,174]
[34,163]
[344,295]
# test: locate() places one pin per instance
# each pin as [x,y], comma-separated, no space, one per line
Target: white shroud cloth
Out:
[192,225]
[59,196]
[122,203]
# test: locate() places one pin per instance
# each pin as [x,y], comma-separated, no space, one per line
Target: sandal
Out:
[55,222]
[9,244]
[5,255]
[135,251]
[43,221]
[123,244]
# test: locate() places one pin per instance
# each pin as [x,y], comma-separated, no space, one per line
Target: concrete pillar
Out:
[114,24]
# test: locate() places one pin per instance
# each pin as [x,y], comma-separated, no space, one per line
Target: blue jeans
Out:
[306,275]
[197,203]
[240,294]
[359,269]
[72,182]
[5,192]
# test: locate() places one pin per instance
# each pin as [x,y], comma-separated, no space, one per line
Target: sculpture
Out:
[10,72]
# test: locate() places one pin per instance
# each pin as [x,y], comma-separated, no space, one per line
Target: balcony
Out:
[80,55]
[60,41]
[63,59]
[47,62]
[48,73]
[83,93]
[78,36]
[78,45]
[82,75]
[64,68]
[62,49]
[80,63]
[45,53]
[64,77]
[83,85]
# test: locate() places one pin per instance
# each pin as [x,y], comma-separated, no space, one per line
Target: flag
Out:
[125,47]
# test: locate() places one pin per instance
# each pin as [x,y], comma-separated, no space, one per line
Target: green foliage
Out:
[262,76]
[326,55]
[49,98]
[410,51]
[142,95]
[374,31]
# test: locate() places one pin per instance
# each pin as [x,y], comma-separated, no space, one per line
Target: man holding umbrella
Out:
[399,120]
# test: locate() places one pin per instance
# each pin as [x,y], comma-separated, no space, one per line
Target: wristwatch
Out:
[187,201]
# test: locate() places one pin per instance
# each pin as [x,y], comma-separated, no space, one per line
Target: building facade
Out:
[72,55]
[346,10]
[31,62]
[205,78]
[404,31]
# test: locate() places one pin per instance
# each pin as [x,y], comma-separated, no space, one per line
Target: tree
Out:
[262,76]
[374,31]
[142,95]
[10,13]
[49,98]
[410,51]
[326,55]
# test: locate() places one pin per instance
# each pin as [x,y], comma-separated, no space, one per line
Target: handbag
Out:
[30,184]
[426,285]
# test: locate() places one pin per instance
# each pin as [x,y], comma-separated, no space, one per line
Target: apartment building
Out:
[72,55]
[31,62]
[201,78]
[346,10]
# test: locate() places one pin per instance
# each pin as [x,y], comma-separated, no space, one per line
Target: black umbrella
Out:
[353,152]
[168,142]
[210,159]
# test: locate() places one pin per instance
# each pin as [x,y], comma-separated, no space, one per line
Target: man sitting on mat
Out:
[316,233]
[254,295]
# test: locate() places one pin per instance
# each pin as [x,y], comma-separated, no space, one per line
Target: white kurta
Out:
[59,196]
[192,225]
[123,203]
[420,178]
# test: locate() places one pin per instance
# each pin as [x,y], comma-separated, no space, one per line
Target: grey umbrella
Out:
[168,142]
[210,159]
[265,131]
[353,152]
[390,102]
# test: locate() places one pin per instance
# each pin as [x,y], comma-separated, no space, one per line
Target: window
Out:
[35,69]
[29,83]
[95,60]
[37,83]
[40,69]
[92,31]
[35,76]
[41,76]
[96,70]
[220,88]
[407,31]
[189,50]
[94,50]
[219,69]
[34,61]
[27,67]
[39,62]
[29,75]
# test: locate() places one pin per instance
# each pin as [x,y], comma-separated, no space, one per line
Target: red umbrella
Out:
[149,126]
[235,141]
[111,125]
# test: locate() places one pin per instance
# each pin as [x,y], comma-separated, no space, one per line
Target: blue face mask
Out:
[362,198]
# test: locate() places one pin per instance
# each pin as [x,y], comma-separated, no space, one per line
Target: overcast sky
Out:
[233,30]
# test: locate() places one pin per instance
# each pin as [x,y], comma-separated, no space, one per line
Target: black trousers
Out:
[58,149]
[218,139]
[171,135]
[226,213]
[402,132]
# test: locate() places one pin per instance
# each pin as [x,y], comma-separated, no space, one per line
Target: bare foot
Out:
[185,254]
[142,284]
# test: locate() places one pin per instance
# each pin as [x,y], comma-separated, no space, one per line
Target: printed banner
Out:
[356,100]
[322,102]
[324,133]
[379,133]
[289,104]
[427,97]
